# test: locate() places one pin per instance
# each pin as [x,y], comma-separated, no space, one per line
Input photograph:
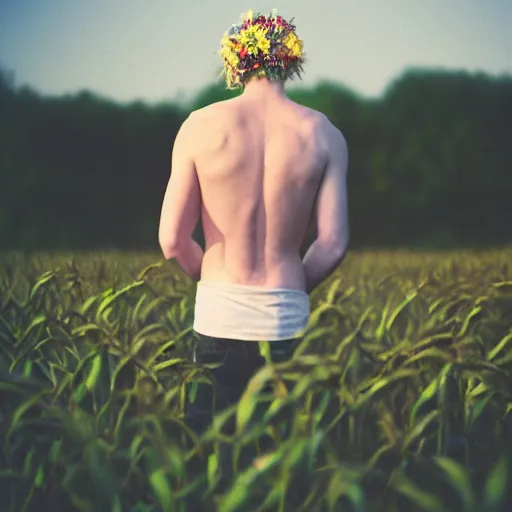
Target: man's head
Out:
[261,46]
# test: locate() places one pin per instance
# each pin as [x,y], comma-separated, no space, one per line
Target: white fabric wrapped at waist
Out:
[251,313]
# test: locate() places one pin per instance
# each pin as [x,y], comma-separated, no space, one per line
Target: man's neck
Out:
[263,87]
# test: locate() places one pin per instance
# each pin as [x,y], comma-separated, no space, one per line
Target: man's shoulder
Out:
[208,119]
[329,130]
[213,110]
[323,127]
[324,123]
[319,121]
[205,125]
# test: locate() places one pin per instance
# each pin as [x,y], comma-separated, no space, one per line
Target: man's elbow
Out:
[339,250]
[338,247]
[169,246]
[169,252]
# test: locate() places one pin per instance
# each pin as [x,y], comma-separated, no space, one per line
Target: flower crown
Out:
[261,46]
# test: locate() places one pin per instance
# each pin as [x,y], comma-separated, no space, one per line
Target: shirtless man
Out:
[254,169]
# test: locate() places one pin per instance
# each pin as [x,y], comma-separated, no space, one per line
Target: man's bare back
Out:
[259,165]
[262,163]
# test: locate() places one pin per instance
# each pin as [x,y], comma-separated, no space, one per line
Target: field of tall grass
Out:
[399,397]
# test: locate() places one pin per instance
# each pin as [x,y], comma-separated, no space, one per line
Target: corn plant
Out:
[399,396]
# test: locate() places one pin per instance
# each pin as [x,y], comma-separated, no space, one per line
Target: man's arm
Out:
[181,207]
[330,245]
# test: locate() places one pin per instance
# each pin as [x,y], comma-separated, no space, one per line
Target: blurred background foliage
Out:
[429,163]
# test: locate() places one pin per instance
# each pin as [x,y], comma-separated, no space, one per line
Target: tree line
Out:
[429,162]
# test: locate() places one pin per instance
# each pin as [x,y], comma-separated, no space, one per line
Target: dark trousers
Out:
[239,361]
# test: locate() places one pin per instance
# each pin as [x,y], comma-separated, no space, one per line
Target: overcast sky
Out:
[153,49]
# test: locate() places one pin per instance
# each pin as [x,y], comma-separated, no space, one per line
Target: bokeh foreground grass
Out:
[398,398]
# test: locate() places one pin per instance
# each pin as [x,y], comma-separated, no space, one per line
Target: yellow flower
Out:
[230,57]
[228,51]
[233,59]
[290,40]
[226,41]
[264,46]
[297,49]
[294,44]
[254,38]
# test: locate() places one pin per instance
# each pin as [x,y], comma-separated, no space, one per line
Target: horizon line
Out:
[292,85]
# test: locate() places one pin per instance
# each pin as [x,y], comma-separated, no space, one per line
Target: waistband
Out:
[252,313]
